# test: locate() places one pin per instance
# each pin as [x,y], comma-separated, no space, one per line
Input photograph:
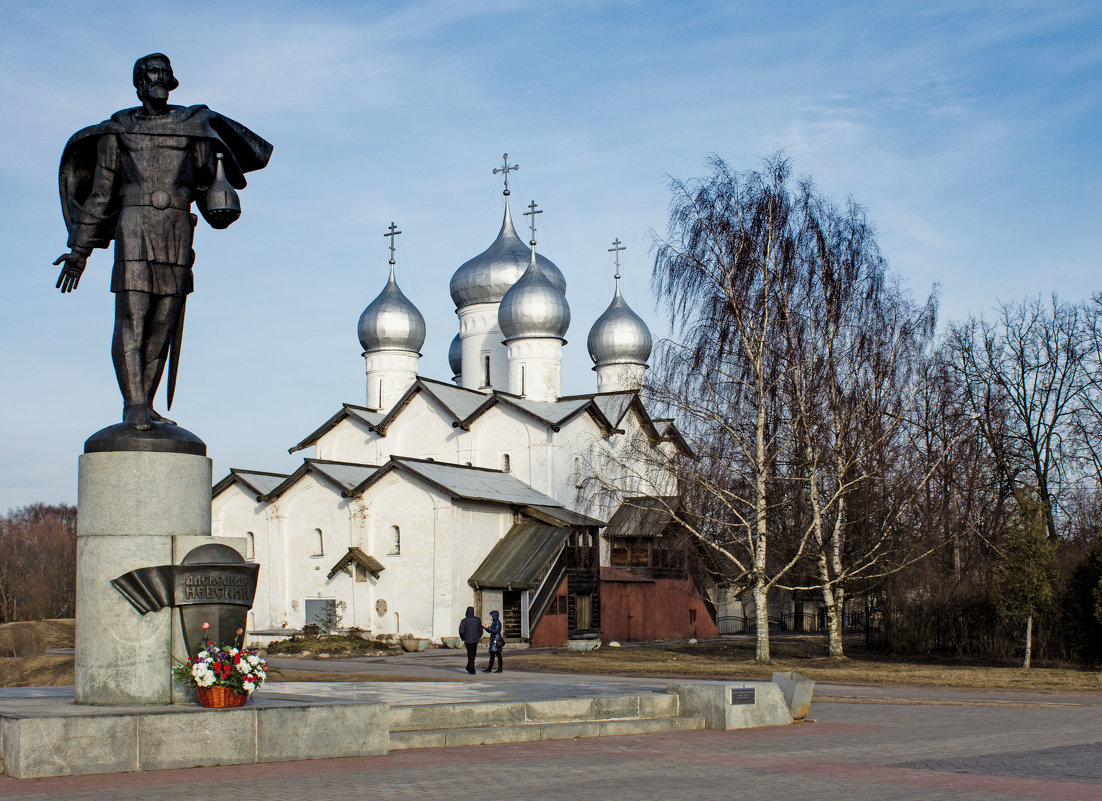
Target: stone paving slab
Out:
[854,752]
[1077,763]
[408,693]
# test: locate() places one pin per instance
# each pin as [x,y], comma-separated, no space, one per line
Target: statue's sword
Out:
[174,353]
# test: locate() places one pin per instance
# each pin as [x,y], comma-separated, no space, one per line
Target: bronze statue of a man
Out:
[132,179]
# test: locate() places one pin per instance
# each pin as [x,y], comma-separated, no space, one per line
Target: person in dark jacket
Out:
[497,642]
[470,631]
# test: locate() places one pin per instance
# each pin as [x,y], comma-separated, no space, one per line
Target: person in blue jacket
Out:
[497,642]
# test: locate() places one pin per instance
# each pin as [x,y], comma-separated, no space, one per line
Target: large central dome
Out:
[487,277]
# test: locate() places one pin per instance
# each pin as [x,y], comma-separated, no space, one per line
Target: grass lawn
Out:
[734,660]
[24,663]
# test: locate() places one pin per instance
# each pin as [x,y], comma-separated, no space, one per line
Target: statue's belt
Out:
[158,200]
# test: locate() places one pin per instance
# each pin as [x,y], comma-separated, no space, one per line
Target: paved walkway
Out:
[867,743]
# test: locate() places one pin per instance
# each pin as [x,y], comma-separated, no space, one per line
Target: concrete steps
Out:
[491,722]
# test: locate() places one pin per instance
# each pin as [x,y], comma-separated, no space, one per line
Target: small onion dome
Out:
[391,322]
[533,307]
[487,277]
[619,336]
[455,356]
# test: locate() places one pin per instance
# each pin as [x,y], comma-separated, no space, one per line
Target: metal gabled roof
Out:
[345,475]
[369,563]
[554,413]
[461,402]
[372,418]
[668,430]
[476,483]
[456,401]
[520,558]
[560,516]
[642,517]
[258,481]
[614,405]
[361,413]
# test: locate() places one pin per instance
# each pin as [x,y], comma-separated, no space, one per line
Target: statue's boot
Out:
[136,415]
[157,417]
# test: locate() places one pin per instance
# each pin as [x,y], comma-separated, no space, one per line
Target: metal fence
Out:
[803,622]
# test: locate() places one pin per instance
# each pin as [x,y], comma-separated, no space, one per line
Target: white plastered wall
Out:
[312,504]
[350,440]
[235,512]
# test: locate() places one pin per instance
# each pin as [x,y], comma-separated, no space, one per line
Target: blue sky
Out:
[968,130]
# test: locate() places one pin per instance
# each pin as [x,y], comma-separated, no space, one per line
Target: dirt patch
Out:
[733,661]
[323,675]
[27,638]
[335,645]
[44,670]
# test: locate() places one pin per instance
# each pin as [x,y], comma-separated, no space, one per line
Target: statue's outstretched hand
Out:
[70,274]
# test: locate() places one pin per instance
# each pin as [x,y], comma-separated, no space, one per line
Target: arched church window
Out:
[506,463]
[522,393]
[250,545]
[577,471]
[486,370]
[395,541]
[319,543]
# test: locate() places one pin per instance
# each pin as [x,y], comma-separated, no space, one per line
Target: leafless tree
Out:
[735,250]
[1087,425]
[1027,368]
[854,341]
[38,563]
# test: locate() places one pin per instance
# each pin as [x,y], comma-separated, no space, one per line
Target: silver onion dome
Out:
[619,336]
[533,307]
[487,277]
[391,322]
[455,356]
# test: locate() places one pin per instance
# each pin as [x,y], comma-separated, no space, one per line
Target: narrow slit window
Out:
[395,541]
[319,543]
[506,463]
[250,545]
[486,370]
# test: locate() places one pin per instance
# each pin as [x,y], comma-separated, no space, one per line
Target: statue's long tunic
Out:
[132,179]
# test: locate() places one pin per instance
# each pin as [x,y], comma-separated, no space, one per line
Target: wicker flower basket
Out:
[220,697]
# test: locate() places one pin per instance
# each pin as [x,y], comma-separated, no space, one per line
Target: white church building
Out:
[433,496]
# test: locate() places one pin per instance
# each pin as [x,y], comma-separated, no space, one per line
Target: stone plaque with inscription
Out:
[212,584]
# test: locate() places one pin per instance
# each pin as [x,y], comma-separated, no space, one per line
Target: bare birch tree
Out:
[732,252]
[854,343]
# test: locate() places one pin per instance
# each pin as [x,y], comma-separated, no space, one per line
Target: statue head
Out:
[153,76]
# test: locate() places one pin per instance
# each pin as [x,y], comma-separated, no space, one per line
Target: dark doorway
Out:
[510,614]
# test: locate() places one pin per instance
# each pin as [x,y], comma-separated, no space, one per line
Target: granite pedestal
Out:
[131,504]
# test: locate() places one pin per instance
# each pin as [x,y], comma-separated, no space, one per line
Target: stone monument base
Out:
[131,504]
[46,734]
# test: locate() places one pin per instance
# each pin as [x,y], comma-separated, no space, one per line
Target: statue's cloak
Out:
[242,149]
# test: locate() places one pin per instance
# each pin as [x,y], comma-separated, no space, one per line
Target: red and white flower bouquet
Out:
[223,676]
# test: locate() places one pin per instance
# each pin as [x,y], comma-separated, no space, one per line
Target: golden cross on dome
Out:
[532,213]
[393,232]
[506,170]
